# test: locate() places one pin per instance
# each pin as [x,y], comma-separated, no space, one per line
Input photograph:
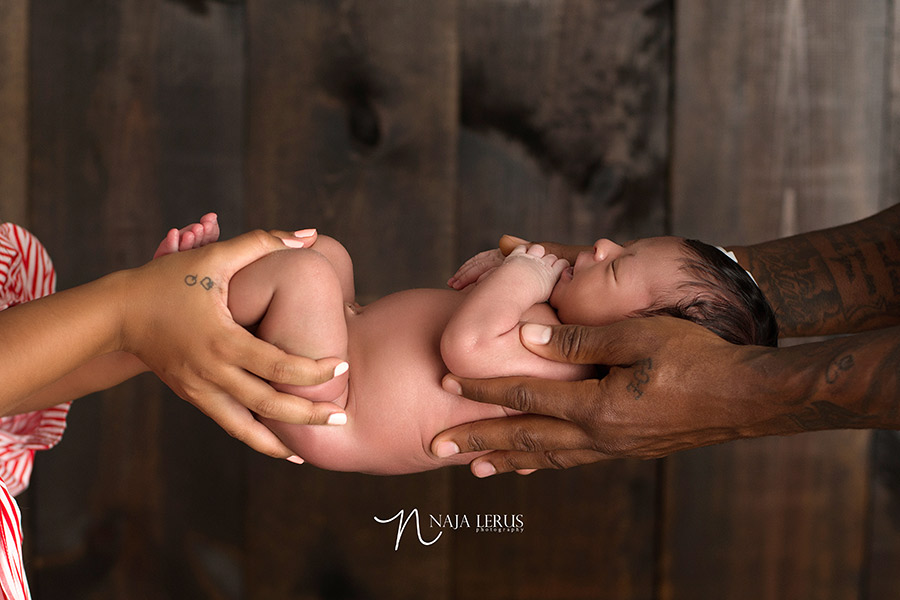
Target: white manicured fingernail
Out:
[304,233]
[337,419]
[292,243]
[536,334]
[341,368]
[295,459]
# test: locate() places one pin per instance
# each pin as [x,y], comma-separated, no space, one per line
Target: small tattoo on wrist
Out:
[206,283]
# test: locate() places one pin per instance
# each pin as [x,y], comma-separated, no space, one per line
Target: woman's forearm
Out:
[839,280]
[43,340]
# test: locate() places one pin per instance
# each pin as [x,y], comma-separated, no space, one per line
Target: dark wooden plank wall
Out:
[417,133]
[799,89]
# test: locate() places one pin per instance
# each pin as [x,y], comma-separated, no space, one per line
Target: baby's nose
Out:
[604,249]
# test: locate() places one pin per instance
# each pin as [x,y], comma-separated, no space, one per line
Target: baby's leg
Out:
[295,300]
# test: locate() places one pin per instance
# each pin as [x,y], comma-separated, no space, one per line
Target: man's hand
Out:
[671,385]
[509,243]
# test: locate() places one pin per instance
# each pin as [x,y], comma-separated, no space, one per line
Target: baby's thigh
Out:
[294,298]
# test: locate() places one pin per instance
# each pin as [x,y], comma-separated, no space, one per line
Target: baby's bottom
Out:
[296,299]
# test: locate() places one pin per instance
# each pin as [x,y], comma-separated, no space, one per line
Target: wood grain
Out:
[778,129]
[14,111]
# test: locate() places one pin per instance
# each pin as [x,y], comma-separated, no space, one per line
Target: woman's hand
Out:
[175,319]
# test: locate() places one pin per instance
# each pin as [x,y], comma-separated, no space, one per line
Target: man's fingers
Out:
[523,433]
[563,399]
[508,243]
[504,461]
[622,343]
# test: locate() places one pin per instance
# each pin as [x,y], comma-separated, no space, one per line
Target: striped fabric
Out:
[26,273]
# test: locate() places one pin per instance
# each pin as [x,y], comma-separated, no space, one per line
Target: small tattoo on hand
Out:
[640,378]
[206,283]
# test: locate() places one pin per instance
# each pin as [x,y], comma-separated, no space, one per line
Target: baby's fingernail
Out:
[292,243]
[304,233]
[295,459]
[451,386]
[483,469]
[337,418]
[445,449]
[341,368]
[536,334]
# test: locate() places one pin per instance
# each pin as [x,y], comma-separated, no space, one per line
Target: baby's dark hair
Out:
[721,296]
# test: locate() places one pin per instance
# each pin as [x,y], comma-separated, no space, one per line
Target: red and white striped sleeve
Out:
[13,583]
[26,273]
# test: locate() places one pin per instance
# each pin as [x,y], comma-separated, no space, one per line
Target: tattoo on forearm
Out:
[205,282]
[827,415]
[834,281]
[640,378]
[837,367]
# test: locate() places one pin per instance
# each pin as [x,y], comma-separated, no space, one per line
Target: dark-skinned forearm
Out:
[839,280]
[843,383]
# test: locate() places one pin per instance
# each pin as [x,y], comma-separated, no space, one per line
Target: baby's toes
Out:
[169,245]
[187,241]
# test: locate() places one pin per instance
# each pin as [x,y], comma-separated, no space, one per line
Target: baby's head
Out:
[665,276]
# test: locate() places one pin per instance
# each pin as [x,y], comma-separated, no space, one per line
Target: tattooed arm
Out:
[675,386]
[839,280]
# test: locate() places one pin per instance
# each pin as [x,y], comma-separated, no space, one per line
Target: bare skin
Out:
[96,335]
[674,386]
[397,346]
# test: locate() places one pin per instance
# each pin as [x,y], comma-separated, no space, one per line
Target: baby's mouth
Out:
[569,272]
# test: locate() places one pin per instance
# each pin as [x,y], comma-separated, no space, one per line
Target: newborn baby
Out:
[400,346]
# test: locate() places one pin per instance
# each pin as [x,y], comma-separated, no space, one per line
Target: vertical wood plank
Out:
[136,107]
[14,111]
[199,97]
[564,115]
[778,129]
[883,578]
[94,195]
[352,130]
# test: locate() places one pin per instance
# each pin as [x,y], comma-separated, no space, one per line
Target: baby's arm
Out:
[482,337]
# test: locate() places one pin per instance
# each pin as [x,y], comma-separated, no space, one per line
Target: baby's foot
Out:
[543,269]
[195,235]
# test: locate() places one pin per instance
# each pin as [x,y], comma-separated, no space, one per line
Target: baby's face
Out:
[612,282]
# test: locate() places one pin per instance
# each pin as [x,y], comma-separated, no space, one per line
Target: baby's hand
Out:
[193,236]
[474,269]
[543,269]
